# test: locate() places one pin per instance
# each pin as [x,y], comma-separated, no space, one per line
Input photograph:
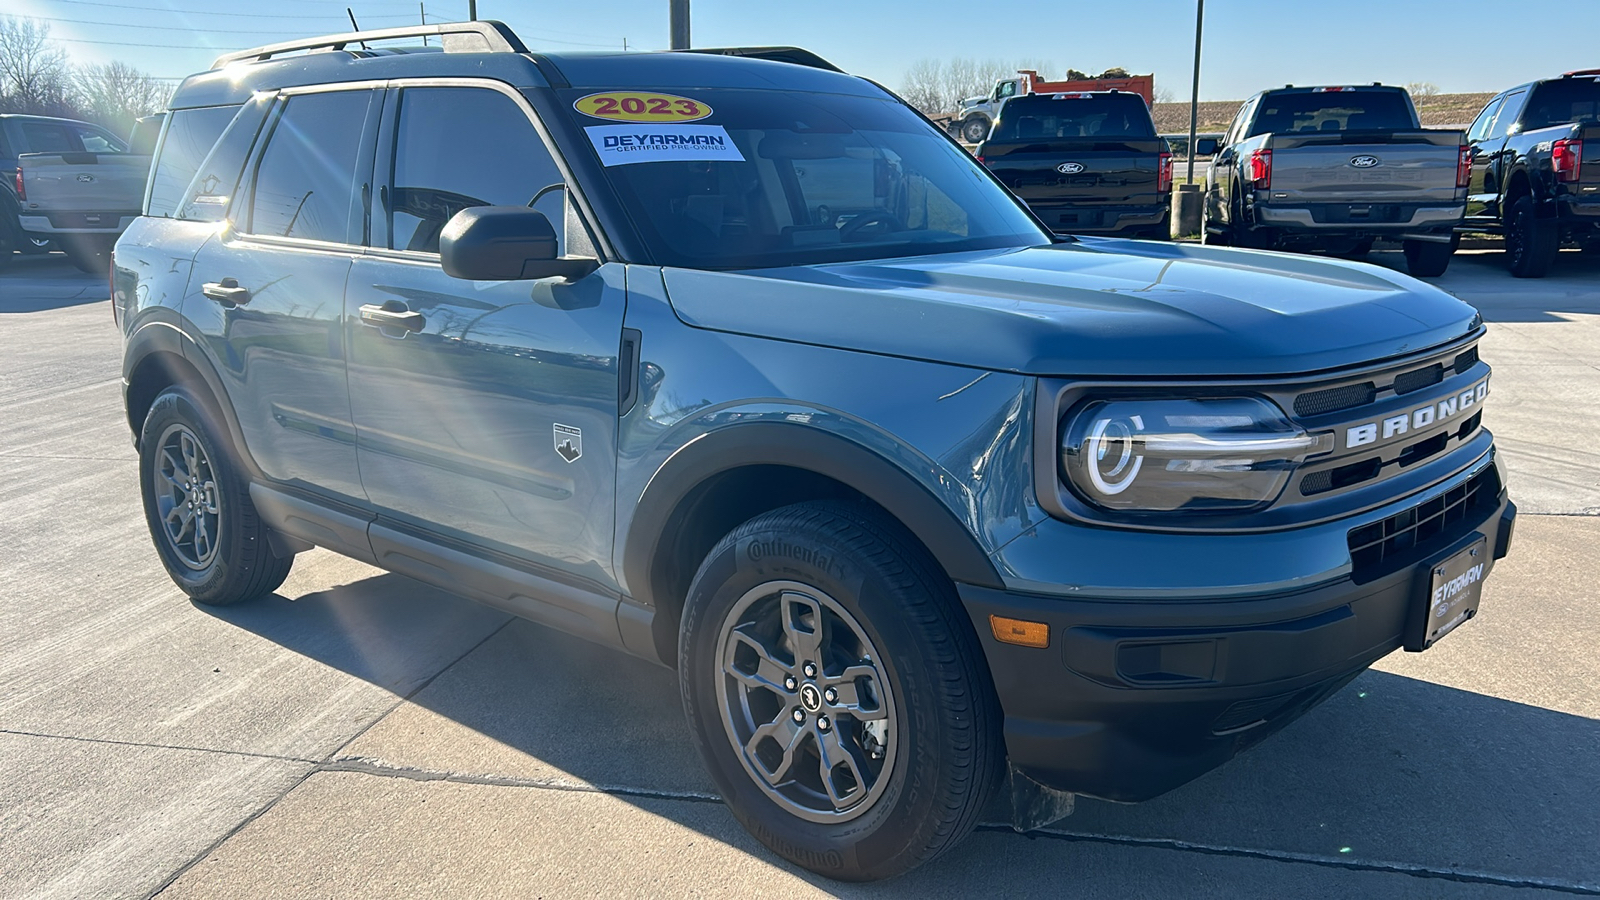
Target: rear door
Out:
[487,413]
[1479,198]
[267,291]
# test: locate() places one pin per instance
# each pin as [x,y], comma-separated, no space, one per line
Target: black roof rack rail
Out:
[794,55]
[457,37]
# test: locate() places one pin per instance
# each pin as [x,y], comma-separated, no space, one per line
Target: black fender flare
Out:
[162,333]
[809,449]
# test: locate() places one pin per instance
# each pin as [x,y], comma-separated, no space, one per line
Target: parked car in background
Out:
[1085,162]
[977,115]
[737,364]
[1536,170]
[1335,168]
[82,190]
[21,134]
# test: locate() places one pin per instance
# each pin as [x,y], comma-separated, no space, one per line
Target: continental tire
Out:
[837,692]
[197,504]
[1531,243]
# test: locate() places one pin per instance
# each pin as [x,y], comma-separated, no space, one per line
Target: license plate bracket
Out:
[1454,586]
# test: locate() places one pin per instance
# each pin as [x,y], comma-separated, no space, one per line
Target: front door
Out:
[267,291]
[485,412]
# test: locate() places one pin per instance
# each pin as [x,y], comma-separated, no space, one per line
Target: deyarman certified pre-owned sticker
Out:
[620,145]
[637,106]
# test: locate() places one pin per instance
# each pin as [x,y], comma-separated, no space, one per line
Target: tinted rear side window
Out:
[1336,111]
[305,180]
[493,157]
[1093,116]
[1564,102]
[189,139]
[96,141]
[50,137]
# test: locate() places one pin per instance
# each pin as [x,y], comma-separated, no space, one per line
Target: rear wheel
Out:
[1531,243]
[1359,251]
[837,692]
[35,246]
[197,504]
[1427,259]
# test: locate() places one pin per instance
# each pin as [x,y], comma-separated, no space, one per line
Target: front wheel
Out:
[1427,259]
[197,504]
[837,692]
[975,130]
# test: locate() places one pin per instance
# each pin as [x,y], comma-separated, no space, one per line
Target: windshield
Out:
[1046,117]
[1333,111]
[758,178]
[1565,102]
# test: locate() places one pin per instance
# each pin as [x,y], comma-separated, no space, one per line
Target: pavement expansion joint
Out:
[1465,876]
[154,746]
[366,765]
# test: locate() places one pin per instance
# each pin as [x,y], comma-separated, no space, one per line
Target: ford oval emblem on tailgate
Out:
[86,178]
[1364,162]
[1070,168]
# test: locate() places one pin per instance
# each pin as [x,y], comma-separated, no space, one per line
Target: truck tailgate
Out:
[1089,172]
[83,182]
[1355,167]
[1588,187]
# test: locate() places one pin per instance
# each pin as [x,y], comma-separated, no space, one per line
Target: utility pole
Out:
[472,10]
[680,24]
[1194,97]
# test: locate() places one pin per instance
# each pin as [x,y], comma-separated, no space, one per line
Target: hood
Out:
[1099,307]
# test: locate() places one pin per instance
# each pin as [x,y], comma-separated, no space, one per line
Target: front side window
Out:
[306,180]
[96,141]
[492,157]
[1480,126]
[777,178]
[1044,117]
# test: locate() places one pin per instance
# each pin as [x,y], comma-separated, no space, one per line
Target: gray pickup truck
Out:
[1335,168]
[79,185]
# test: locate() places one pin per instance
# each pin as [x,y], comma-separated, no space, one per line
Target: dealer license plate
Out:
[1454,586]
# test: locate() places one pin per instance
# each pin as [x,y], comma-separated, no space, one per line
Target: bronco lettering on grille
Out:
[1438,412]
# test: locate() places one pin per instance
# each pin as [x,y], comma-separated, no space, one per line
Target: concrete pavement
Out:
[359,734]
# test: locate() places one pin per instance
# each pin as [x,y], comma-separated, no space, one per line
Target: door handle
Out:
[383,317]
[226,291]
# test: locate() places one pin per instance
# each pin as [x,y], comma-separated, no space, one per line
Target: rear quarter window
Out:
[188,137]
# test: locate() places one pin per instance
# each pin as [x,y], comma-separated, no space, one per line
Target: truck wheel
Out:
[837,693]
[91,253]
[975,130]
[1426,259]
[1239,233]
[1360,250]
[36,246]
[1531,243]
[197,504]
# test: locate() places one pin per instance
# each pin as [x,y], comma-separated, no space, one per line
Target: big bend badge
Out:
[569,442]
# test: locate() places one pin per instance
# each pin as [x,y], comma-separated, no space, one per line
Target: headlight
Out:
[1221,455]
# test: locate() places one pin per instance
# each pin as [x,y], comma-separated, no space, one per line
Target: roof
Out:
[490,49]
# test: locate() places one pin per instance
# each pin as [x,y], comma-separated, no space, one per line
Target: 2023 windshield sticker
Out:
[621,145]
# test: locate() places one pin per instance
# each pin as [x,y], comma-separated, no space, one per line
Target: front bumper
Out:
[1136,696]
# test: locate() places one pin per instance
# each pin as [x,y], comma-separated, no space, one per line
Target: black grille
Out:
[1434,523]
[1419,379]
[1329,400]
[1466,361]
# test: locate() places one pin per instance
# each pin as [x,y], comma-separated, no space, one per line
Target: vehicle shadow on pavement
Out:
[38,283]
[1391,771]
[1480,278]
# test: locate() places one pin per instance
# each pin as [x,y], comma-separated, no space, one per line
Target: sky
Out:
[1459,45]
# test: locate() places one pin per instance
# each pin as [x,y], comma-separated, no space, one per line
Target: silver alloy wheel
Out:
[186,498]
[806,702]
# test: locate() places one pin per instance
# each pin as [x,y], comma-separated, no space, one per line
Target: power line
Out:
[162,27]
[206,12]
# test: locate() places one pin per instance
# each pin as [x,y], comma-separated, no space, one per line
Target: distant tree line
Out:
[37,77]
[938,86]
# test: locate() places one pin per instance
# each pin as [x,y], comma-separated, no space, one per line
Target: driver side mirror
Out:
[505,243]
[1206,146]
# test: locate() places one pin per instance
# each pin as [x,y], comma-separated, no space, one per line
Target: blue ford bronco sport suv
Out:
[732,361]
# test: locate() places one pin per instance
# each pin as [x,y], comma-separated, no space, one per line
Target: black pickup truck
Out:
[1531,177]
[1085,163]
